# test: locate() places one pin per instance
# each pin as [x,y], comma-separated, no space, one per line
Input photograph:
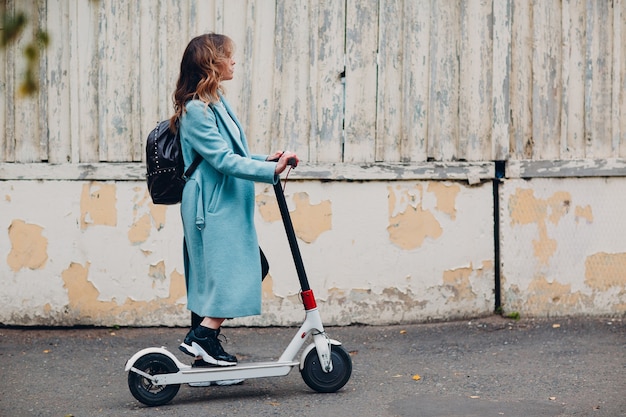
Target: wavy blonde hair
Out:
[201,71]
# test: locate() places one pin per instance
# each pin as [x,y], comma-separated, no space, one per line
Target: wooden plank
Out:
[257,67]
[133,86]
[618,104]
[389,97]
[415,77]
[583,168]
[546,78]
[164,75]
[475,73]
[472,172]
[361,77]
[73,71]
[572,140]
[236,24]
[501,80]
[44,83]
[443,122]
[598,81]
[85,62]
[3,99]
[114,104]
[26,108]
[327,68]
[149,63]
[105,44]
[57,91]
[522,144]
[173,37]
[7,88]
[203,17]
[292,111]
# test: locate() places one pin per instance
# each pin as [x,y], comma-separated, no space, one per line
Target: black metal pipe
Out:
[500,173]
[291,236]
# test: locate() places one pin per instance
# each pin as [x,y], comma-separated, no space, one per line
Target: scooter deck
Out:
[239,371]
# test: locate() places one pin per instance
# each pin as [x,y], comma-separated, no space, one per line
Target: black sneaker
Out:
[204,342]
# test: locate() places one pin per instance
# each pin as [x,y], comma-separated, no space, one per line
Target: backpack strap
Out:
[192,167]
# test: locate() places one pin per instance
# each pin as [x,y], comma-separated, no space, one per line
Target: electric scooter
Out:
[155,374]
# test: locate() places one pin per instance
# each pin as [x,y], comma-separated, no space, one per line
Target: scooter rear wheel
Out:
[332,381]
[143,389]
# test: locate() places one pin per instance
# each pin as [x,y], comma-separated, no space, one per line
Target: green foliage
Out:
[514,315]
[12,26]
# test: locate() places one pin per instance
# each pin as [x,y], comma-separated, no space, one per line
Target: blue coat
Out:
[222,261]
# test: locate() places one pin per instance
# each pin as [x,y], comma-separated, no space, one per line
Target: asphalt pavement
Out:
[482,367]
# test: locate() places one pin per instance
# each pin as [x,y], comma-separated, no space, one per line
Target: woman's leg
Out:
[212,322]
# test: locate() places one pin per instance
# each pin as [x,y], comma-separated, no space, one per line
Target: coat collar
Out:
[226,111]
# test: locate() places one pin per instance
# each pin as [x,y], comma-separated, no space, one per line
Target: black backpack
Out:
[164,163]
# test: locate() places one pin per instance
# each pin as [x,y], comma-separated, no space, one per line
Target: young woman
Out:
[221,252]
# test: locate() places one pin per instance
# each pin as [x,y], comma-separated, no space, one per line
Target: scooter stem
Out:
[291,237]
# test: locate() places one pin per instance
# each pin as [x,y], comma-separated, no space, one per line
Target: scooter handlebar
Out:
[291,161]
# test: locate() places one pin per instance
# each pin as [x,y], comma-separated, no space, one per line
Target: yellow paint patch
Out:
[178,288]
[526,209]
[157,271]
[559,205]
[446,196]
[268,208]
[81,293]
[140,230]
[606,270]
[29,249]
[157,211]
[584,213]
[267,288]
[84,303]
[310,220]
[459,281]
[554,297]
[409,228]
[97,205]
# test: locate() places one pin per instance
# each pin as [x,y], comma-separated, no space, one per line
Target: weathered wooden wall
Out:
[356,81]
[399,109]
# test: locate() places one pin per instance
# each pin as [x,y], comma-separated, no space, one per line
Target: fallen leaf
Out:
[402,331]
[474,397]
[46,351]
[274,403]
[556,326]
[552,398]
[416,377]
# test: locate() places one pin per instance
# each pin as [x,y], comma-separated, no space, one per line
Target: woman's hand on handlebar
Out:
[283,160]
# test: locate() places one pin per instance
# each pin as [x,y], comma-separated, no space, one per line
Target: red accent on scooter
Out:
[308,299]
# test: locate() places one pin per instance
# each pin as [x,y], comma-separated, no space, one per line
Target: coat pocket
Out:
[199,205]
[215,196]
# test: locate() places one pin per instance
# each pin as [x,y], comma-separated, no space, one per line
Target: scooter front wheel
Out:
[320,381]
[143,388]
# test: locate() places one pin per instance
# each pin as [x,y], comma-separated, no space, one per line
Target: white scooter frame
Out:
[155,374]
